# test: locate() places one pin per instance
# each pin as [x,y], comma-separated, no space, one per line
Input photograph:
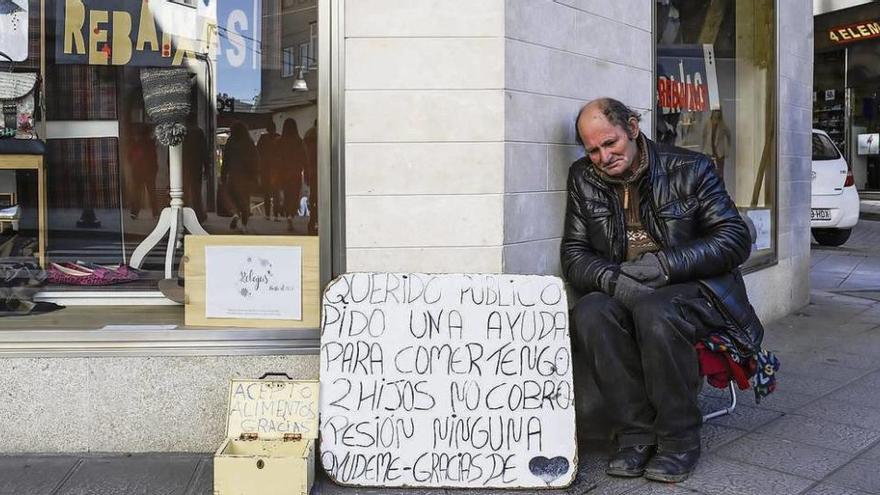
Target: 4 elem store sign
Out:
[155,33]
[855,32]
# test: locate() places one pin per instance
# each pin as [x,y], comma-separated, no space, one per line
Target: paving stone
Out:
[324,486]
[132,475]
[746,417]
[787,456]
[660,489]
[831,489]
[786,401]
[844,412]
[203,480]
[858,394]
[835,263]
[610,486]
[873,453]
[805,384]
[719,476]
[867,317]
[841,357]
[820,368]
[826,280]
[714,436]
[866,343]
[869,380]
[821,433]
[33,474]
[860,474]
[785,345]
[816,317]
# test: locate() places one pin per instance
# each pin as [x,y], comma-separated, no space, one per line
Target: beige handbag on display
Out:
[17,91]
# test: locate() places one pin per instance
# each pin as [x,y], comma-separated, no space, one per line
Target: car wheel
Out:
[831,237]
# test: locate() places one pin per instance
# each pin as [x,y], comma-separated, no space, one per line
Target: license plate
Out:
[820,214]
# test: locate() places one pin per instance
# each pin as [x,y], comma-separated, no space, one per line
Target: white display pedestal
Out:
[173,220]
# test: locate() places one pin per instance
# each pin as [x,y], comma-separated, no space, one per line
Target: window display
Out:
[160,119]
[716,94]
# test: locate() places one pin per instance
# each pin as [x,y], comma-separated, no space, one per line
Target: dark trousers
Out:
[645,364]
[240,193]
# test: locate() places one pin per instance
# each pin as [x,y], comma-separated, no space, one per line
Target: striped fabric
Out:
[81,92]
[83,173]
[167,101]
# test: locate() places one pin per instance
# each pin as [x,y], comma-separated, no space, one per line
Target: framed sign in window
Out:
[252,281]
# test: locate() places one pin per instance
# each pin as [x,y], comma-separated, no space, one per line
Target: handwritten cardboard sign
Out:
[272,408]
[447,381]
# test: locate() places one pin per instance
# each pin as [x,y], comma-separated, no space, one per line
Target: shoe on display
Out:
[672,467]
[233,223]
[64,275]
[76,274]
[118,273]
[630,462]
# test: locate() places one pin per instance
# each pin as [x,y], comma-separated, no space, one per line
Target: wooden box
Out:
[271,429]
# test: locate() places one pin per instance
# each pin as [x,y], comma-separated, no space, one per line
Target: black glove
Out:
[623,288]
[648,269]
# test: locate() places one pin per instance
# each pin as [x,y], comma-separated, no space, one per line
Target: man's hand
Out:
[624,289]
[647,269]
[628,291]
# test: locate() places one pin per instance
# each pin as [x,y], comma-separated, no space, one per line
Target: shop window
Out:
[716,94]
[247,165]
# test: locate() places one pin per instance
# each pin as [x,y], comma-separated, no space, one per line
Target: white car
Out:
[834,209]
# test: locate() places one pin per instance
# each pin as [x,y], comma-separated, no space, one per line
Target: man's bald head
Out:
[613,110]
[608,129]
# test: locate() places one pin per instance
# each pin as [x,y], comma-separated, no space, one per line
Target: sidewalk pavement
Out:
[818,434]
[869,209]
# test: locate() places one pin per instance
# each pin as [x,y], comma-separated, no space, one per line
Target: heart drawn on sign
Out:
[548,469]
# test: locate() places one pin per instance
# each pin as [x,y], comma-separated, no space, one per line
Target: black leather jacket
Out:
[686,209]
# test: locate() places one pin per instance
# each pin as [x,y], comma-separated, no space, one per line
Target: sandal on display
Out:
[119,273]
[66,275]
[59,274]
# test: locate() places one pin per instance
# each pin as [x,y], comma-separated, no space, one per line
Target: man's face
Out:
[608,146]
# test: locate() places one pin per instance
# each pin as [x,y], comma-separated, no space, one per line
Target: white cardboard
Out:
[253,282]
[272,408]
[447,381]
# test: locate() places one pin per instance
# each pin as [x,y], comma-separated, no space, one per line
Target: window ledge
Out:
[142,340]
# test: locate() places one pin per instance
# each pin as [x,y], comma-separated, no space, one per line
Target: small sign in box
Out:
[253,282]
[271,427]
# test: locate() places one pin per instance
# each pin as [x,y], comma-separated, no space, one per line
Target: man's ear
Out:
[633,128]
